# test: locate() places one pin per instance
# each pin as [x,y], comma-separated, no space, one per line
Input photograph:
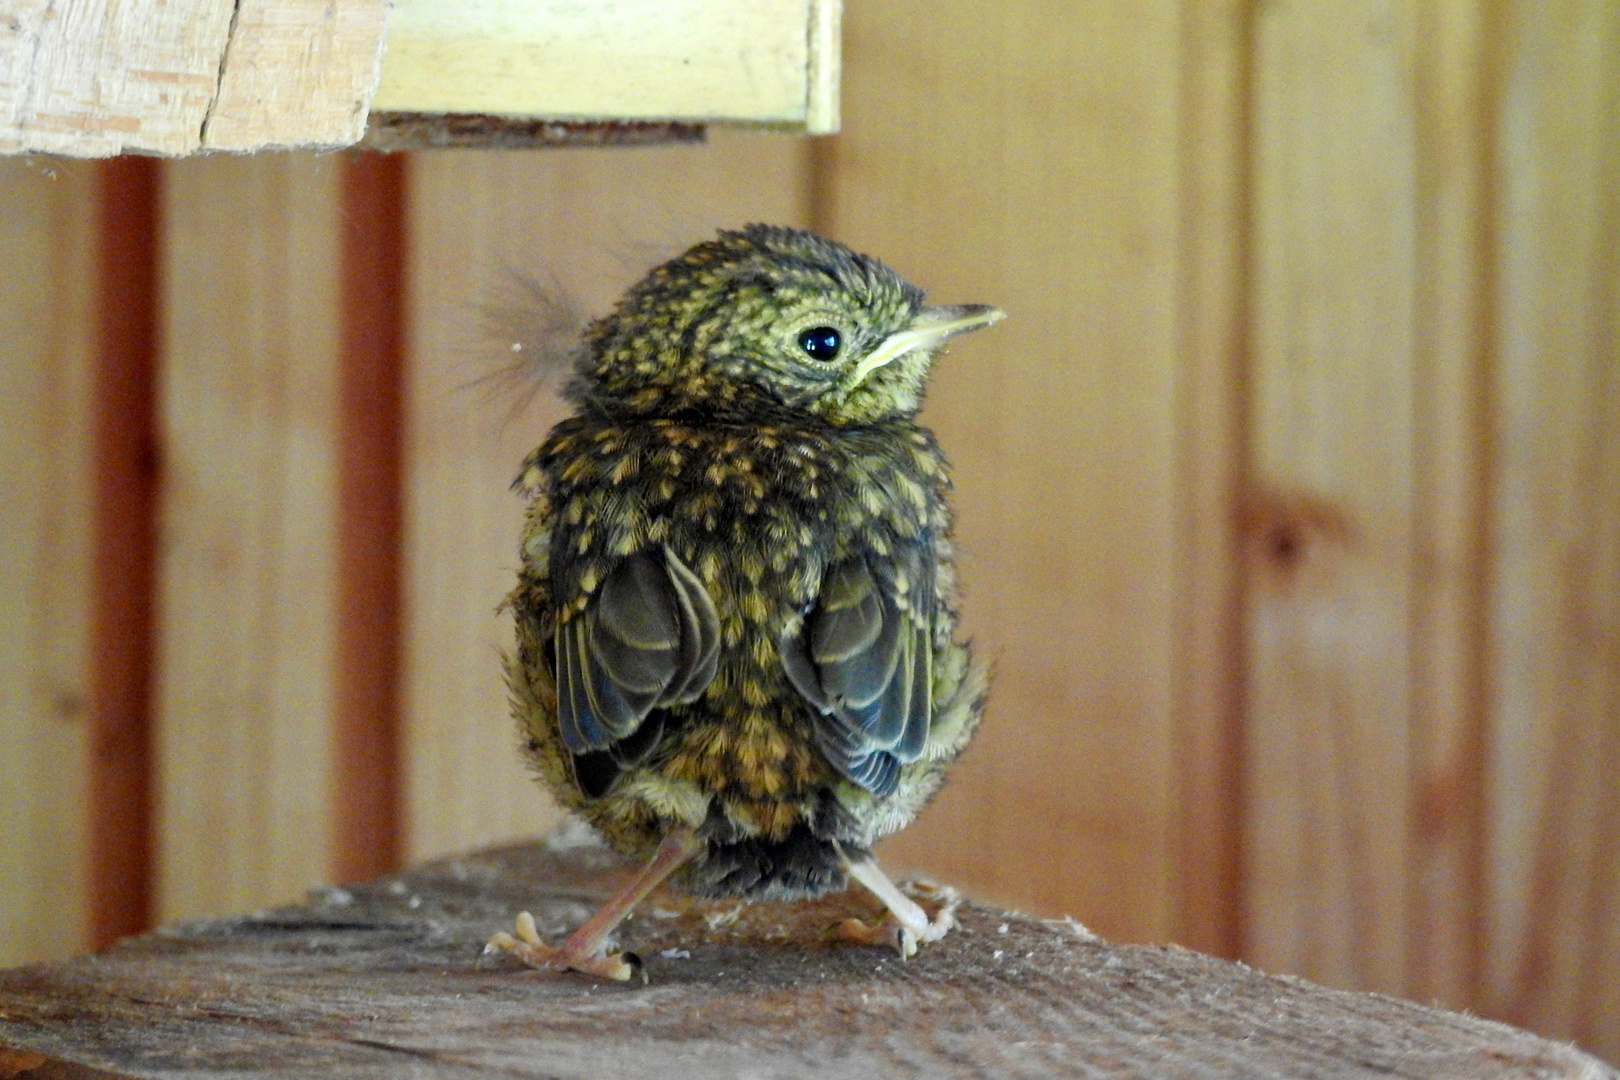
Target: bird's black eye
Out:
[821,343]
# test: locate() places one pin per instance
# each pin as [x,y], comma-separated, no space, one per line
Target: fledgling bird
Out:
[736,604]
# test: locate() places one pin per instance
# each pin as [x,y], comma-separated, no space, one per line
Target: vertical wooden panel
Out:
[1553,876]
[1332,442]
[1031,160]
[1211,445]
[47,349]
[1450,462]
[247,579]
[591,221]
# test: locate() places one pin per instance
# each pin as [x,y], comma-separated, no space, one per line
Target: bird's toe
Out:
[526,944]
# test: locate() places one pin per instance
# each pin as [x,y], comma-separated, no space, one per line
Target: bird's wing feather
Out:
[863,656]
[700,633]
[648,638]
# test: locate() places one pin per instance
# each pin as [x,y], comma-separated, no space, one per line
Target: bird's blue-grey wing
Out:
[649,638]
[862,655]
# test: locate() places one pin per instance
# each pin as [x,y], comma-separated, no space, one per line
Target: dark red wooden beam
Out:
[366,766]
[128,468]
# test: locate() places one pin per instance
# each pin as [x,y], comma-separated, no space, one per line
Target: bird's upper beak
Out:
[932,326]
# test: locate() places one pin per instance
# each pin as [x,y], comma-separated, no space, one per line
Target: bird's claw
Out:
[526,944]
[904,936]
[933,892]
[889,932]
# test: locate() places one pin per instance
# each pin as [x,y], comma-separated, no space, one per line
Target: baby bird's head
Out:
[764,320]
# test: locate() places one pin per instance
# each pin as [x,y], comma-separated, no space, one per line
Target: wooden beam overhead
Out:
[92,78]
[771,62]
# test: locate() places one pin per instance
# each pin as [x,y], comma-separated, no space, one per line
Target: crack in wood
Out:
[219,81]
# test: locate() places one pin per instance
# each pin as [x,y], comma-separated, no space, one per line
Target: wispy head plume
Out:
[533,335]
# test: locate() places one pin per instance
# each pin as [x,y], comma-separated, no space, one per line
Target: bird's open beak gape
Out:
[932,326]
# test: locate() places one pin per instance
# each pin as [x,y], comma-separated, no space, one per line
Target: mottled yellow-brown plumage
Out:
[737,602]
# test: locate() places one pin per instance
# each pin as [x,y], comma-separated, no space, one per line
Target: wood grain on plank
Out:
[1328,766]
[1031,161]
[93,78]
[589,223]
[1212,453]
[1554,951]
[297,73]
[1452,347]
[248,576]
[386,979]
[48,249]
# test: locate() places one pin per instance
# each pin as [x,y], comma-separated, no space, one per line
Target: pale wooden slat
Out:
[1450,457]
[1212,456]
[737,60]
[1328,770]
[595,221]
[824,67]
[47,323]
[1030,160]
[297,73]
[247,590]
[1554,960]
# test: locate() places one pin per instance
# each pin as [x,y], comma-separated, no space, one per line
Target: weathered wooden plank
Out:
[759,61]
[93,78]
[247,583]
[1328,765]
[386,980]
[1031,160]
[297,73]
[47,352]
[1554,956]
[590,223]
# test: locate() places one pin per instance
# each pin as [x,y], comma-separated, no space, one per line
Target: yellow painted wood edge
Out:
[821,114]
[765,62]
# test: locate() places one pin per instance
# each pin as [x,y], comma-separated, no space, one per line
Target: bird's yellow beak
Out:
[932,326]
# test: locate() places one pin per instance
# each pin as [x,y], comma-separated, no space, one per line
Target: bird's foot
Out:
[909,927]
[525,943]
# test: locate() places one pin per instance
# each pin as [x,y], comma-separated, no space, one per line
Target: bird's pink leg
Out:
[586,948]
[908,925]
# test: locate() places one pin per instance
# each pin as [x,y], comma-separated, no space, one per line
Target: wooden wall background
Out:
[1289,495]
